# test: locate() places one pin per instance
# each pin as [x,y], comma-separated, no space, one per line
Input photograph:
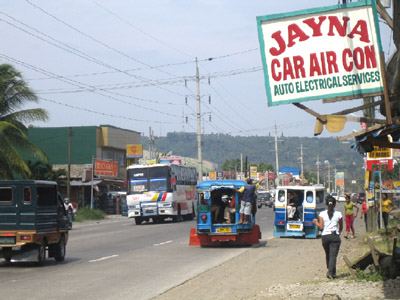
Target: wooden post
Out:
[385,91]
[374,253]
[349,265]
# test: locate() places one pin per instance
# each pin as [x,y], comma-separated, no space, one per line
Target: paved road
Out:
[116,259]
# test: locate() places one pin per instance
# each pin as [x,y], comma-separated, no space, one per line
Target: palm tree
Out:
[14,93]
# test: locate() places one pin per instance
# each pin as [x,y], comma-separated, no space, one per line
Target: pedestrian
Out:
[349,211]
[330,222]
[249,196]
[386,203]
[364,212]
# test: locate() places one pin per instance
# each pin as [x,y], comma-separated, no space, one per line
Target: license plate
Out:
[149,211]
[296,227]
[7,240]
[224,229]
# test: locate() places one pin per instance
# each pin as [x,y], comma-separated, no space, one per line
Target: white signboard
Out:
[327,52]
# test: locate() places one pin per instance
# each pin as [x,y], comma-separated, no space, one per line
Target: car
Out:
[341,198]
[360,197]
[335,195]
[264,198]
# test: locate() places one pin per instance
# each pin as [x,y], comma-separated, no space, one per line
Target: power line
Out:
[105,114]
[77,84]
[141,30]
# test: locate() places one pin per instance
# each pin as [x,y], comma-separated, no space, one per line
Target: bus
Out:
[161,191]
[312,202]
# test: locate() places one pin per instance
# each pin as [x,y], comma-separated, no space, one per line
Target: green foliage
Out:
[369,274]
[14,93]
[87,214]
[43,171]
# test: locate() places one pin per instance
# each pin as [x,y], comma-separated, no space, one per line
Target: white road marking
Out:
[103,258]
[163,243]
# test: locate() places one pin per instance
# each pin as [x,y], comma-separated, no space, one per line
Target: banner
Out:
[339,177]
[327,52]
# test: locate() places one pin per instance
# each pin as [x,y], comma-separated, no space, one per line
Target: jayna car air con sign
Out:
[327,52]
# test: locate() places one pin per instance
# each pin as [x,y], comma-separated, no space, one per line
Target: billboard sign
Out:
[253,172]
[171,160]
[380,159]
[106,168]
[339,178]
[327,52]
[134,151]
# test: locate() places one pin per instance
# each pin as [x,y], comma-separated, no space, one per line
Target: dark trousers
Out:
[385,217]
[365,220]
[331,244]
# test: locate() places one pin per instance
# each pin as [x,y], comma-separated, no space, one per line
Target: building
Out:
[86,144]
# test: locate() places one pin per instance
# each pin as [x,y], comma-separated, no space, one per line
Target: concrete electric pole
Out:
[200,159]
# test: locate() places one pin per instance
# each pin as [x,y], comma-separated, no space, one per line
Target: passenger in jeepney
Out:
[292,204]
[216,205]
[230,208]
[249,192]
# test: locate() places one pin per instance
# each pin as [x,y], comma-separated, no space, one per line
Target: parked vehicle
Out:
[335,195]
[117,201]
[161,191]
[341,198]
[33,220]
[361,197]
[211,229]
[312,201]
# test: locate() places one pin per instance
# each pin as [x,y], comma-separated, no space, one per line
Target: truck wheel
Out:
[60,250]
[193,214]
[41,253]
[138,220]
[7,254]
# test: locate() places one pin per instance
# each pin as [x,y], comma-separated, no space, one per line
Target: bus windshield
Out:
[137,179]
[148,179]
[158,179]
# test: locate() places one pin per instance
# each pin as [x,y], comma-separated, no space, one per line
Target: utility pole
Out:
[276,153]
[151,144]
[199,155]
[336,183]
[301,161]
[69,164]
[317,169]
[241,165]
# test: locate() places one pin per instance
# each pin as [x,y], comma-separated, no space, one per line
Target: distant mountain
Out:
[220,147]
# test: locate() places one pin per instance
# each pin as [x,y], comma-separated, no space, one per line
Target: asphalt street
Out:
[116,259]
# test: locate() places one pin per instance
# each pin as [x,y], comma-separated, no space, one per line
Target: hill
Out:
[261,149]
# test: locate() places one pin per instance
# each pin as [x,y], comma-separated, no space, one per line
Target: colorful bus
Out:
[311,202]
[161,191]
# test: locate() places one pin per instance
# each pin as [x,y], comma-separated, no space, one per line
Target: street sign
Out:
[380,159]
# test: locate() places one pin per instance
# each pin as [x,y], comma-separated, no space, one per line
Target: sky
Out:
[132,64]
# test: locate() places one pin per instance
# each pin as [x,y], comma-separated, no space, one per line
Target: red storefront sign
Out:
[106,168]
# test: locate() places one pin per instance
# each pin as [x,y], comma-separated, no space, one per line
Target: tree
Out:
[14,93]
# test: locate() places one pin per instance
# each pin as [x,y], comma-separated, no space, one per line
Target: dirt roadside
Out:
[283,268]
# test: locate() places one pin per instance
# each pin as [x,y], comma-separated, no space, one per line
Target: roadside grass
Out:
[87,214]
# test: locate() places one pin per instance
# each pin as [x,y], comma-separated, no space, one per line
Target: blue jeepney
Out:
[214,229]
[311,200]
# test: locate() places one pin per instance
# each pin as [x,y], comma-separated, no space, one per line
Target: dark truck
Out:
[33,219]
